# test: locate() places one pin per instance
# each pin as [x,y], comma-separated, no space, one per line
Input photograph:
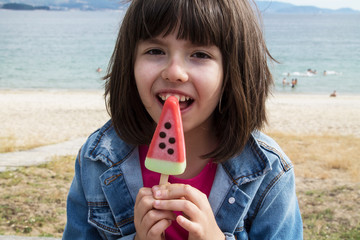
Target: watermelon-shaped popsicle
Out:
[166,153]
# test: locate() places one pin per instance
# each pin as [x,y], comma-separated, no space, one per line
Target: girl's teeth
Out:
[180,98]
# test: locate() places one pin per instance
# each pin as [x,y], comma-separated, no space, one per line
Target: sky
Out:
[332,4]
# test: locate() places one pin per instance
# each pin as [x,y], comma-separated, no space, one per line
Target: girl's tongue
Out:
[184,105]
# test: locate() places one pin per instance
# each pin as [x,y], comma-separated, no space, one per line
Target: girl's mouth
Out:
[184,101]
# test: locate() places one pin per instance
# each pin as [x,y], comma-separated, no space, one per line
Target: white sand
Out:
[315,114]
[46,117]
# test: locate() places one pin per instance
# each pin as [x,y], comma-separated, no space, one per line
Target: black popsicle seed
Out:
[167,125]
[171,140]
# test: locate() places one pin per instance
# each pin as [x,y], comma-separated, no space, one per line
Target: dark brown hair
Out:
[233,26]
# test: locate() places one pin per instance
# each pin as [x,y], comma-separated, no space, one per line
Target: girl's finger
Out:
[144,205]
[177,191]
[158,228]
[181,205]
[186,223]
[154,216]
[142,193]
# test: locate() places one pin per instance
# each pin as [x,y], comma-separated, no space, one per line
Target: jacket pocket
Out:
[101,217]
[109,225]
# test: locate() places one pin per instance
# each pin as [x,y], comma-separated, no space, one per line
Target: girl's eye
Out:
[201,55]
[155,52]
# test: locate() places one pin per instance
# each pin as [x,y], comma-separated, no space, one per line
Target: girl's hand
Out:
[198,218]
[150,223]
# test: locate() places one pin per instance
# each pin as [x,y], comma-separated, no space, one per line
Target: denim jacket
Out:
[252,197]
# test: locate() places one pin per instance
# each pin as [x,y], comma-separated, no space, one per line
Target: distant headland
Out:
[269,6]
[22,6]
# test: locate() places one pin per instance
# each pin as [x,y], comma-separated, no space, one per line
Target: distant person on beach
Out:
[293,82]
[333,94]
[311,71]
[284,82]
[99,69]
[238,183]
[324,73]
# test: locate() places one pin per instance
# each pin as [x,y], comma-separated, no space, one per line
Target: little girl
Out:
[238,183]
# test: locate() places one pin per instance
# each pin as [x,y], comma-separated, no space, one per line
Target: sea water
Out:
[56,49]
[321,51]
[64,49]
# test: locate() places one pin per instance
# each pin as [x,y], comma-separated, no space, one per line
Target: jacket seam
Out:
[112,163]
[123,159]
[285,164]
[235,181]
[105,156]
[260,157]
[258,154]
[109,180]
[98,141]
[102,225]
[123,222]
[255,173]
[239,229]
[98,204]
[228,173]
[262,197]
[103,234]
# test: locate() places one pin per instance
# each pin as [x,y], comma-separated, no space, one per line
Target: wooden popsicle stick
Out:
[163,179]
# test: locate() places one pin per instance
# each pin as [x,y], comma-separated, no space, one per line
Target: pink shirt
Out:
[203,181]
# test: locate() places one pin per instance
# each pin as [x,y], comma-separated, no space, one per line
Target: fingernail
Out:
[157,193]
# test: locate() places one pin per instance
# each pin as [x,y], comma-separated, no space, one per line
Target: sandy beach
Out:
[314,114]
[43,117]
[46,117]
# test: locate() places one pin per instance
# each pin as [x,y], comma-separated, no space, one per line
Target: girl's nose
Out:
[175,71]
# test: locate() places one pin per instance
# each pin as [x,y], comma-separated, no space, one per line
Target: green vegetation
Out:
[33,199]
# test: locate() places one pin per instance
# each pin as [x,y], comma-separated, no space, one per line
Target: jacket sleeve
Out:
[77,226]
[278,216]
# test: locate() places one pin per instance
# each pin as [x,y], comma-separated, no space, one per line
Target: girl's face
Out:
[194,73]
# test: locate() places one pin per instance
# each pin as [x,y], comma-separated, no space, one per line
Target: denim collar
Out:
[246,167]
[251,164]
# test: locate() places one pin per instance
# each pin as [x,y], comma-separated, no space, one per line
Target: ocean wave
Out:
[311,73]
